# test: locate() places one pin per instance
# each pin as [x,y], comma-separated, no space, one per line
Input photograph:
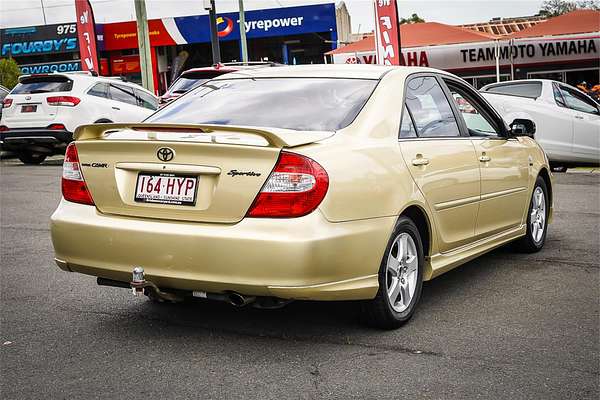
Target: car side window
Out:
[407,128]
[429,107]
[145,100]
[123,94]
[99,90]
[478,121]
[578,101]
[558,97]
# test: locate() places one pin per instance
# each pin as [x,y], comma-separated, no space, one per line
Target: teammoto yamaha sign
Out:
[34,40]
[483,55]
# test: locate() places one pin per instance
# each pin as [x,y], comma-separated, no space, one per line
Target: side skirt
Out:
[444,262]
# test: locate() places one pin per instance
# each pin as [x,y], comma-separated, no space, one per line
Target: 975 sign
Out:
[86,31]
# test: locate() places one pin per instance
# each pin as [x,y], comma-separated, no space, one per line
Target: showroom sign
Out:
[45,68]
[46,39]
[482,55]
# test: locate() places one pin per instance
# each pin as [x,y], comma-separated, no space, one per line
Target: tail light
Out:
[295,188]
[3,128]
[73,185]
[68,101]
[7,103]
[57,127]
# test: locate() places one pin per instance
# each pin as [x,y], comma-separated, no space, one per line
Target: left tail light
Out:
[7,103]
[74,188]
[295,188]
[67,101]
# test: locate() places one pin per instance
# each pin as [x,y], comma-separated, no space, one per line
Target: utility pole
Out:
[43,11]
[243,43]
[144,44]
[214,38]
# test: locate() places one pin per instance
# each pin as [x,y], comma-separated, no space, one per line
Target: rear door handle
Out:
[420,161]
[485,158]
[578,117]
[116,108]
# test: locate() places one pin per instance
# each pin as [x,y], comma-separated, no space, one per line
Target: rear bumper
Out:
[35,139]
[300,258]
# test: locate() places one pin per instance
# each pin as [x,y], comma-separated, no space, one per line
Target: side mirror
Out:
[522,127]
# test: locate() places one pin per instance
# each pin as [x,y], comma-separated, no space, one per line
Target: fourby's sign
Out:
[387,33]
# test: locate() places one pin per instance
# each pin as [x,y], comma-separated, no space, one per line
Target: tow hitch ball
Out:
[138,281]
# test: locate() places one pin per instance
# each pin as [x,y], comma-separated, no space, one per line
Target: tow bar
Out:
[139,285]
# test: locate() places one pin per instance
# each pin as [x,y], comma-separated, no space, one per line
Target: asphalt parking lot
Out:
[503,326]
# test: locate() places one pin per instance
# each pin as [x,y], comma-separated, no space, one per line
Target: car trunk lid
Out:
[228,164]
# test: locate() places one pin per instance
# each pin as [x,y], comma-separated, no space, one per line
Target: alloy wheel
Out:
[402,272]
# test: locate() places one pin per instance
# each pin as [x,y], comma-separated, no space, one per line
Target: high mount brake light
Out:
[73,185]
[295,188]
[68,101]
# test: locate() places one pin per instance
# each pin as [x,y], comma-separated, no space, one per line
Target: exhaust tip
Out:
[239,300]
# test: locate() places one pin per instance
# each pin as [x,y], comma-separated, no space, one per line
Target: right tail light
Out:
[295,188]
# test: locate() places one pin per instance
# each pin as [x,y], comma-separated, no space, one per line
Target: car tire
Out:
[31,158]
[399,288]
[103,121]
[534,239]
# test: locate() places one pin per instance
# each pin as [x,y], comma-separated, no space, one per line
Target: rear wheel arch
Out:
[419,217]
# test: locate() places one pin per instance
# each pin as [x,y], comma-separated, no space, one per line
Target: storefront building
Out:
[565,48]
[288,35]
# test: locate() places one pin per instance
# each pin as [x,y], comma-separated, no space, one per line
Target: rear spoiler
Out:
[276,137]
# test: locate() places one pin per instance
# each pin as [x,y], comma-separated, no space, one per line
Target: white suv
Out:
[41,113]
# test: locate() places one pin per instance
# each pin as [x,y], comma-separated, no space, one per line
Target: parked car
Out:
[41,113]
[567,120]
[356,182]
[195,77]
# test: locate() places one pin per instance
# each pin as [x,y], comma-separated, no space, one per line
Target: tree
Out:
[414,19]
[9,72]
[554,8]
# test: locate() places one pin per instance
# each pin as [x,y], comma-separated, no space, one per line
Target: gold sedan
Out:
[348,182]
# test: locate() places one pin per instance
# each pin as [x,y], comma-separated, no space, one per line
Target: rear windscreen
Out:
[530,89]
[45,84]
[191,80]
[308,104]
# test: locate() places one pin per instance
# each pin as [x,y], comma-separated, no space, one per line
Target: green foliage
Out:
[9,72]
[413,19]
[554,8]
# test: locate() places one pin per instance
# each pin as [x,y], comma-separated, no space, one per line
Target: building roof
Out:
[578,21]
[505,26]
[422,34]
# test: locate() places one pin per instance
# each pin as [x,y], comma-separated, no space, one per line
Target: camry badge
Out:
[165,154]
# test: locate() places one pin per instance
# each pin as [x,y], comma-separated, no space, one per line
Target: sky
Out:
[15,13]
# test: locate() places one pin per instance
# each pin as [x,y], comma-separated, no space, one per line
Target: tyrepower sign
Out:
[387,33]
[87,35]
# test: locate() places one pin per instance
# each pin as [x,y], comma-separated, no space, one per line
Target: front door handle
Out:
[485,158]
[116,108]
[578,117]
[420,161]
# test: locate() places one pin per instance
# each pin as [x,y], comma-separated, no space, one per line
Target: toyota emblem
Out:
[27,97]
[165,154]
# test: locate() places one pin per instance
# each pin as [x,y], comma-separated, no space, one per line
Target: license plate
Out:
[166,189]
[28,109]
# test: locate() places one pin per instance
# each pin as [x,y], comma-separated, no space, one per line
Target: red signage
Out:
[86,32]
[387,32]
[123,35]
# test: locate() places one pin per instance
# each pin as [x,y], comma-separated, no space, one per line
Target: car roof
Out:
[357,71]
[231,67]
[83,76]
